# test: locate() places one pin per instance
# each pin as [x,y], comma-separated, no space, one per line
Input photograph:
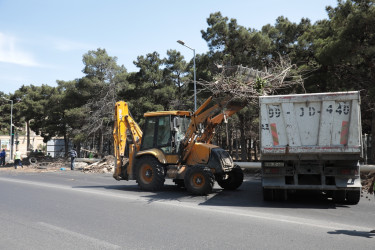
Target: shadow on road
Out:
[169,192]
[248,195]
[133,188]
[354,233]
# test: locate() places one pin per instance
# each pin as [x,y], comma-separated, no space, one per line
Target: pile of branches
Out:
[105,165]
[368,180]
[244,83]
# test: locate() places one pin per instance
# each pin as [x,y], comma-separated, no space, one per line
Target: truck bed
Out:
[311,125]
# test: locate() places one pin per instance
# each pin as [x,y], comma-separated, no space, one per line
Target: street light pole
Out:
[195,82]
[11,124]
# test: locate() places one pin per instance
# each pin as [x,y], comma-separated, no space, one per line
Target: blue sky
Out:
[43,41]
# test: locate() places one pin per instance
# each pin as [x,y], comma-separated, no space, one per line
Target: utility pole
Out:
[195,82]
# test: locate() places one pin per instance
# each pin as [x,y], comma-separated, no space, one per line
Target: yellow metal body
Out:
[210,117]
[163,113]
[125,124]
[162,158]
[196,147]
[200,153]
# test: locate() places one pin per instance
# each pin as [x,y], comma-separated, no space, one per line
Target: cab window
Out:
[164,134]
[148,133]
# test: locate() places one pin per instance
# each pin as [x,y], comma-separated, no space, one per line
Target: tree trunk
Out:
[17,141]
[373,137]
[28,136]
[66,144]
[110,144]
[243,139]
[78,149]
[227,136]
[229,139]
[249,158]
[101,142]
[237,156]
[255,151]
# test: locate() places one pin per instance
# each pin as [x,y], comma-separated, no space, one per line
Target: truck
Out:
[175,145]
[311,142]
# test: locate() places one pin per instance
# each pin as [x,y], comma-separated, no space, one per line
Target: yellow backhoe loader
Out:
[176,145]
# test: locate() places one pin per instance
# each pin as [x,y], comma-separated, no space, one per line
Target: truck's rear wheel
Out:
[199,180]
[234,180]
[353,196]
[150,174]
[280,195]
[267,194]
[339,196]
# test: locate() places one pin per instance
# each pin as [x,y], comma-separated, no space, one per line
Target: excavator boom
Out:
[209,118]
[125,127]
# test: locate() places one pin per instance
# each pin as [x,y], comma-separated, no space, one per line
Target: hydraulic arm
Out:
[125,127]
[210,118]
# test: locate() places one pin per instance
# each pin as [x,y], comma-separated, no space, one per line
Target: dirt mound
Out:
[42,164]
[105,165]
[48,164]
[368,181]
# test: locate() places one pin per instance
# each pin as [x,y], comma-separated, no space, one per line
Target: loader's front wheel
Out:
[199,180]
[234,179]
[150,174]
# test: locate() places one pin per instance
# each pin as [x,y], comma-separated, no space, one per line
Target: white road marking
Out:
[80,236]
[43,227]
[224,210]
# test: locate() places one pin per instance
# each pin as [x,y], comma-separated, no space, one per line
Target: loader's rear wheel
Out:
[179,182]
[199,180]
[124,171]
[353,196]
[234,180]
[150,174]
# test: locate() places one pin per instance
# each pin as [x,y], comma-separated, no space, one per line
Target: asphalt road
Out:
[73,210]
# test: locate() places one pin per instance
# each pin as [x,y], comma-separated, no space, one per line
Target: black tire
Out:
[329,193]
[234,180]
[150,173]
[179,182]
[267,194]
[339,196]
[199,180]
[353,196]
[33,160]
[124,171]
[280,195]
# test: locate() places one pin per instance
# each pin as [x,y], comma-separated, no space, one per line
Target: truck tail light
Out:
[348,171]
[272,170]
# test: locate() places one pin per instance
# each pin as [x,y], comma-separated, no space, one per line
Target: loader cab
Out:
[165,130]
